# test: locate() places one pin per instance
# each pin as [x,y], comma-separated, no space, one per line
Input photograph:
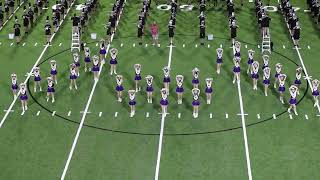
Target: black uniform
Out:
[233,30]
[296,34]
[17,27]
[171,30]
[47,29]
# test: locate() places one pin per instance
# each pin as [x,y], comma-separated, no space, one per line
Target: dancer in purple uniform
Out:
[208,89]
[195,102]
[149,88]
[297,81]
[195,80]
[54,72]
[179,88]
[14,85]
[236,70]
[164,101]
[293,101]
[137,77]
[50,89]
[119,87]
[219,59]
[113,61]
[282,89]
[266,80]
[95,67]
[255,74]
[23,96]
[278,72]
[87,59]
[250,60]
[166,78]
[37,79]
[132,102]
[315,92]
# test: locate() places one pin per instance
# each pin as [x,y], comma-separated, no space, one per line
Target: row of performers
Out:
[293,90]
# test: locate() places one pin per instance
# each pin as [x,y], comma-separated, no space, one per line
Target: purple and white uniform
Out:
[103,50]
[50,87]
[137,77]
[37,76]
[119,88]
[166,79]
[179,89]
[87,58]
[149,88]
[208,90]
[236,69]
[164,102]
[255,76]
[281,88]
[195,103]
[195,81]
[14,85]
[23,95]
[293,101]
[266,81]
[73,73]
[53,69]
[132,102]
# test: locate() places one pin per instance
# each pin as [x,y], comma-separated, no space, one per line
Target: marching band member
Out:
[14,85]
[37,79]
[195,102]
[254,74]
[282,89]
[166,78]
[236,69]
[50,90]
[208,89]
[315,91]
[24,96]
[219,59]
[137,78]
[179,89]
[53,72]
[164,101]
[278,72]
[149,88]
[73,76]
[266,80]
[132,102]
[119,87]
[113,62]
[195,80]
[293,101]
[250,60]
[87,59]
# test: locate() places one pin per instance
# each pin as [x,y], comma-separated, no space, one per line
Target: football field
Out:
[88,134]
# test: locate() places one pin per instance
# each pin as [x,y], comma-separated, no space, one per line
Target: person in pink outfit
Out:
[155,33]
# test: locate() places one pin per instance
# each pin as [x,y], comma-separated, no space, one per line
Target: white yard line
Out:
[35,64]
[244,128]
[11,15]
[156,176]
[75,141]
[302,64]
